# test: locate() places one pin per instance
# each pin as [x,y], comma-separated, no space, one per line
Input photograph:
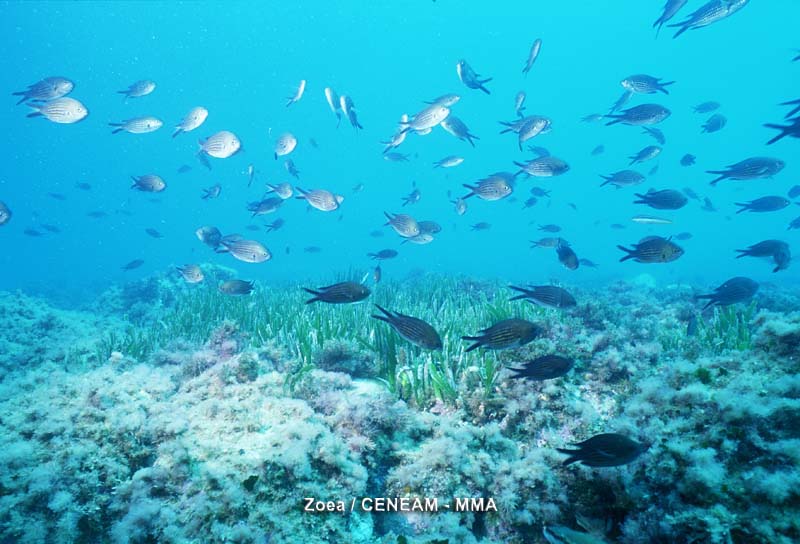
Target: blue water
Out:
[240,60]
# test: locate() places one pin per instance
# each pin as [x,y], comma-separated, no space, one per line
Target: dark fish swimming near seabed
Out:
[738,289]
[546,367]
[415,330]
[134,264]
[545,295]
[505,334]
[653,249]
[347,292]
[604,450]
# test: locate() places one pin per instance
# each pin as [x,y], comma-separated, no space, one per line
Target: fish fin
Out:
[744,207]
[573,457]
[614,119]
[177,131]
[484,89]
[629,252]
[520,373]
[681,31]
[116,130]
[24,96]
[36,113]
[312,292]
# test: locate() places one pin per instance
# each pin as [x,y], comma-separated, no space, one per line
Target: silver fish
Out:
[138,125]
[457,128]
[650,220]
[49,88]
[248,251]
[138,89]
[220,145]
[403,224]
[460,206]
[349,111]
[644,114]
[645,154]
[297,95]
[196,117]
[399,136]
[448,162]
[321,199]
[645,84]
[544,167]
[427,118]
[283,190]
[191,273]
[490,189]
[5,213]
[285,144]
[64,111]
[470,78]
[532,55]
[334,103]
[445,100]
[421,239]
[709,13]
[671,8]
[149,183]
[519,103]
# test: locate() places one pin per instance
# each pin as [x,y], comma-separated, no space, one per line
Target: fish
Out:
[558,534]
[546,367]
[545,242]
[617,226]
[531,202]
[138,89]
[429,227]
[460,206]
[543,167]
[5,213]
[133,265]
[587,263]
[320,199]
[708,205]
[623,178]
[545,295]
[283,190]
[457,128]
[285,144]
[505,334]
[346,292]
[671,8]
[650,220]
[247,251]
[533,54]
[298,94]
[621,101]
[767,248]
[683,236]
[793,224]
[445,100]
[427,118]
[377,274]
[383,254]
[688,160]
[148,183]
[644,114]
[470,78]
[83,186]
[192,120]
[413,197]
[191,273]
[395,157]
[519,103]
[404,225]
[483,225]
[291,168]
[747,169]
[598,150]
[489,189]
[63,111]
[153,232]
[540,192]
[645,154]
[645,84]
[349,110]
[791,130]
[665,199]
[334,103]
[448,162]
[567,256]
[794,192]
[706,107]
[763,204]
[715,123]
[532,127]
[97,214]
[399,135]
[550,228]
[265,206]
[184,168]
[415,330]
[735,290]
[57,196]
[212,192]
[709,13]
[275,225]
[49,88]
[604,450]
[592,118]
[653,249]
[358,188]
[137,125]
[31,232]
[655,133]
[210,236]
[420,239]
[236,287]
[220,145]
[312,249]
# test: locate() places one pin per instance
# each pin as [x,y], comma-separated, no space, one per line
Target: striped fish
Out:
[221,145]
[283,190]
[738,289]
[490,189]
[236,287]
[346,292]
[645,84]
[752,168]
[709,13]
[543,167]
[545,295]
[459,129]
[191,273]
[445,100]
[248,251]
[427,118]
[138,89]
[644,114]
[509,333]
[149,183]
[323,200]
[403,224]
[5,213]
[64,111]
[49,88]
[545,367]
[138,125]
[653,249]
[413,329]
[623,178]
[196,117]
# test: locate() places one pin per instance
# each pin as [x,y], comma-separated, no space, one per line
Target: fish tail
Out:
[629,252]
[471,189]
[389,217]
[520,373]
[177,131]
[744,207]
[478,342]
[742,253]
[316,294]
[683,29]
[783,132]
[116,130]
[572,456]
[36,113]
[662,89]
[614,119]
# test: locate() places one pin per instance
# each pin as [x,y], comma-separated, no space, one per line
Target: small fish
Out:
[420,239]
[532,127]
[404,225]
[31,232]
[334,103]
[709,13]
[715,123]
[212,192]
[291,168]
[505,334]
[429,227]
[671,8]
[794,192]
[544,167]
[275,225]
[644,114]
[706,107]
[708,206]
[5,213]
[138,125]
[220,145]
[349,111]
[592,118]
[655,133]
[688,191]
[778,250]
[413,329]
[530,203]
[153,232]
[210,236]
[191,273]
[285,144]
[320,199]
[97,214]
[470,78]
[549,228]
[358,188]
[587,263]
[617,226]
[427,118]
[545,242]
[63,111]
[57,196]
[483,225]
[733,291]
[301,88]
[134,264]
[413,197]
[688,160]
[540,192]
[536,47]
[192,120]
[376,233]
[489,189]
[665,199]
[752,168]
[236,287]
[347,292]
[460,206]
[653,249]
[621,101]
[598,150]
[395,157]
[763,204]
[383,254]
[546,367]
[650,220]
[50,88]
[138,89]
[184,168]
[312,249]
[83,186]
[457,128]
[648,153]
[265,206]
[248,251]
[149,183]
[377,274]
[539,150]
[645,84]
[445,100]
[519,103]
[283,190]
[566,256]
[684,236]
[448,162]
[794,224]
[604,450]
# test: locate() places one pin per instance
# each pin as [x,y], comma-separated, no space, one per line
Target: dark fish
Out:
[738,289]
[706,107]
[412,198]
[778,250]
[540,192]
[567,256]
[545,295]
[665,199]
[212,192]
[604,450]
[415,330]
[655,133]
[763,204]
[265,206]
[710,12]
[184,168]
[617,226]
[794,192]
[653,249]
[459,129]
[57,196]
[149,183]
[253,228]
[752,168]
[470,78]
[49,228]
[587,263]
[715,123]
[97,214]
[312,249]
[31,232]
[684,236]
[377,274]
[539,150]
[383,254]
[531,202]
[645,154]
[550,228]
[708,206]
[644,114]
[794,224]
[429,227]
[623,178]
[653,171]
[509,333]
[483,225]
[376,234]
[545,367]
[621,101]
[83,186]
[291,168]
[5,213]
[671,8]
[792,130]
[688,191]
[347,292]
[275,225]
[688,160]
[598,150]
[236,287]
[153,232]
[134,264]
